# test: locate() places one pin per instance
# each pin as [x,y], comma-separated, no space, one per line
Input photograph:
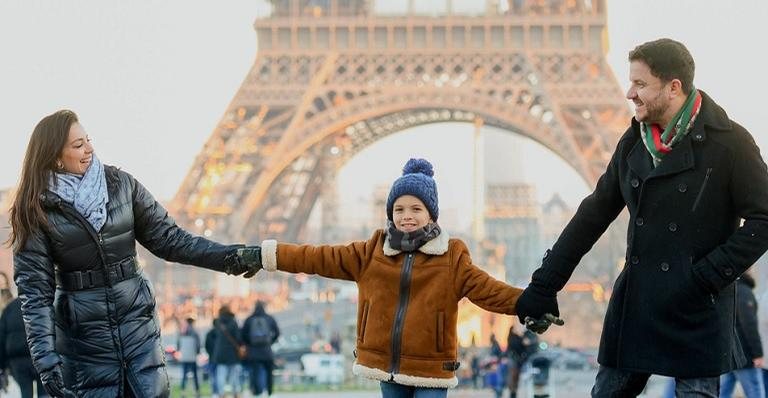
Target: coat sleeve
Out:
[331,261]
[35,278]
[749,195]
[595,213]
[158,232]
[481,288]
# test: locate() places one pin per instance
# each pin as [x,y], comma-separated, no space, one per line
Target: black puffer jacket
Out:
[105,336]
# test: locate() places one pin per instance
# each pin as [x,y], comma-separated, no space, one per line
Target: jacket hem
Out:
[407,380]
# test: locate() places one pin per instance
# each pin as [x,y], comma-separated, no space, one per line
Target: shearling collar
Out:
[435,247]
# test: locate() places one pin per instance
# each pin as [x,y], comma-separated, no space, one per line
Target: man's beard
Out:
[655,109]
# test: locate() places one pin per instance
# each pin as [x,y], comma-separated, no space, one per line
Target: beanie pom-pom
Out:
[418,166]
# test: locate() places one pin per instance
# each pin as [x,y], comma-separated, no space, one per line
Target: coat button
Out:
[672,227]
[682,187]
[728,271]
[639,222]
[698,137]
[665,267]
[634,182]
[634,260]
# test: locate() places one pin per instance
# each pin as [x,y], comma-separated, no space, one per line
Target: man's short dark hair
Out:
[668,59]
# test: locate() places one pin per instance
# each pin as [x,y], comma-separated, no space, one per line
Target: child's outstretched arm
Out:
[481,288]
[332,261]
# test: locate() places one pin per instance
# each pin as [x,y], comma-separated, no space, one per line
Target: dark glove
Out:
[541,325]
[53,382]
[536,301]
[245,261]
[251,256]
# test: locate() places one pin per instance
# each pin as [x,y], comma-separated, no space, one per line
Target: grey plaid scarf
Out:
[411,241]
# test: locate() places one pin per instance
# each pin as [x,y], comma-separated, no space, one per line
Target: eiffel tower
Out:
[332,77]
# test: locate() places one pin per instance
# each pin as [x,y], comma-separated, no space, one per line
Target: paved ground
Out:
[565,384]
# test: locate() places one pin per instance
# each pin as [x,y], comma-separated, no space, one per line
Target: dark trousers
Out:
[617,383]
[25,375]
[189,367]
[261,376]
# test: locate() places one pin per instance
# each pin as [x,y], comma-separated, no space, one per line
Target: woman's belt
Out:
[115,272]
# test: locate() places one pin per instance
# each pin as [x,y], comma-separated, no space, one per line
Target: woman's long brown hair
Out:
[45,146]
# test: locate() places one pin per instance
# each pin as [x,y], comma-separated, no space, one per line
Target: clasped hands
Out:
[537,309]
[245,261]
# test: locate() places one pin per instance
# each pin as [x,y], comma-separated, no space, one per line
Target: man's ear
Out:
[676,88]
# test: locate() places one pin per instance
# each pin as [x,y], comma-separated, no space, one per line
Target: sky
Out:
[151,79]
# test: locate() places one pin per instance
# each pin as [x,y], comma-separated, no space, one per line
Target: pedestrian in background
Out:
[210,348]
[188,347]
[14,353]
[259,332]
[226,353]
[750,376]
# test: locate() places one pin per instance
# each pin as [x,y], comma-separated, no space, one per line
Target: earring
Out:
[59,165]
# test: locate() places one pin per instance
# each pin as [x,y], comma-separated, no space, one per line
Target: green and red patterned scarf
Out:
[660,143]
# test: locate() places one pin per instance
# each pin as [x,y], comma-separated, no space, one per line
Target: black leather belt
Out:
[81,280]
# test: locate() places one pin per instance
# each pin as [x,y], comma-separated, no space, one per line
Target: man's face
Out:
[649,94]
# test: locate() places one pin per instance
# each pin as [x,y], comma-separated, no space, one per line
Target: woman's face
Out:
[77,153]
[409,213]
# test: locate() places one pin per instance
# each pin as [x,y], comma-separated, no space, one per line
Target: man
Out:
[259,332]
[688,175]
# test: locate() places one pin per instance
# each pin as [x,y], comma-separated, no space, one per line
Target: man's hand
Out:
[245,261]
[540,326]
[535,302]
[53,382]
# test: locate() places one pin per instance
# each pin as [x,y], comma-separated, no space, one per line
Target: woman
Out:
[88,308]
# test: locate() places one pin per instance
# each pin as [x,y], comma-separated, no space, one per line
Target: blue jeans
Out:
[394,390]
[751,380]
[611,382]
[228,378]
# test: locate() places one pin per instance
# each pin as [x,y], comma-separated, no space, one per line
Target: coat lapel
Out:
[676,161]
[639,160]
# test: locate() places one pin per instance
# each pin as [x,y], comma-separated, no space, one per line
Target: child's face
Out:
[409,213]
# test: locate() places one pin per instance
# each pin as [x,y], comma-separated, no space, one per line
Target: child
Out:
[411,278]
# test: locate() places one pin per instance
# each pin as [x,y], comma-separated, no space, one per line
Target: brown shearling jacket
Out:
[408,302]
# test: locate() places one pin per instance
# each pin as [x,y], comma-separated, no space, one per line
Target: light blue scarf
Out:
[87,192]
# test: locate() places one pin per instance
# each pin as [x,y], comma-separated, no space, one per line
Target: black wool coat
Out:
[672,310]
[105,337]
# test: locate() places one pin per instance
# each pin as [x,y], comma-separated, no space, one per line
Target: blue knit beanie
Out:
[417,181]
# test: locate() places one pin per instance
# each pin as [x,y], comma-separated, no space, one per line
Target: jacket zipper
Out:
[397,330]
[701,191]
[99,239]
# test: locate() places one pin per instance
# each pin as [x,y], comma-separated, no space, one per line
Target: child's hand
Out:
[540,326]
